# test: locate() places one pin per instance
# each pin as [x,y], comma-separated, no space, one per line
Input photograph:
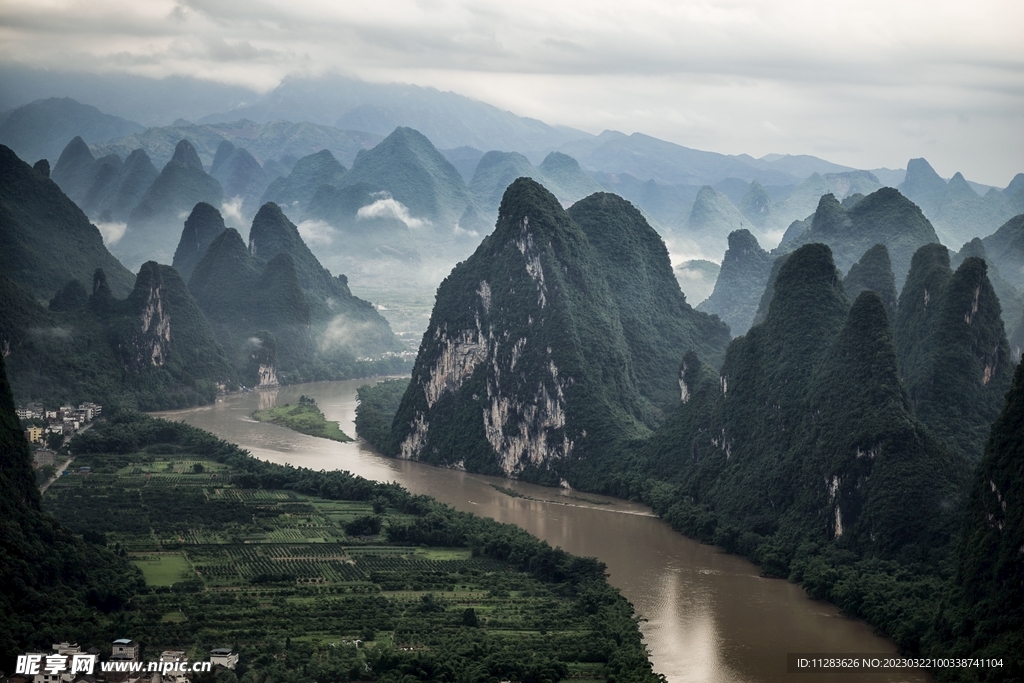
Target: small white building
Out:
[173,656]
[223,656]
[124,648]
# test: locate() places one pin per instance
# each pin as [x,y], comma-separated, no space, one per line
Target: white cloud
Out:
[316,232]
[231,209]
[391,208]
[838,79]
[111,232]
[344,334]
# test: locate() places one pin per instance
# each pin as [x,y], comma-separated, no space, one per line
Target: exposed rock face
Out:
[526,369]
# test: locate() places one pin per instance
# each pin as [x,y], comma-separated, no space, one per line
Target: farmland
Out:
[331,575]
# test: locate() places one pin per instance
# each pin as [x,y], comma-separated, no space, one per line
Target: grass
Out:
[163,569]
[304,418]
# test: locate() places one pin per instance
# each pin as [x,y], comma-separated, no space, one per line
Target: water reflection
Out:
[267,397]
[709,616]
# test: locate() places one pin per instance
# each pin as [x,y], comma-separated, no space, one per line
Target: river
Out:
[708,616]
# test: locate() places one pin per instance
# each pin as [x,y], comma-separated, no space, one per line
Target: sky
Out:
[868,84]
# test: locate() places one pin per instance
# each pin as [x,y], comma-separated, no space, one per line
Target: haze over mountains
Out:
[857,343]
[77,325]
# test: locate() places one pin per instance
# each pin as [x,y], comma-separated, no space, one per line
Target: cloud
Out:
[389,207]
[231,209]
[345,335]
[316,232]
[462,232]
[703,73]
[111,232]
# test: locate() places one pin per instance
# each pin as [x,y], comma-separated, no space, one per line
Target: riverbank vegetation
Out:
[304,417]
[326,576]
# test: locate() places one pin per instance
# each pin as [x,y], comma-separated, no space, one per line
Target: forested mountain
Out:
[985,614]
[806,435]
[267,142]
[645,157]
[568,181]
[257,309]
[241,176]
[741,281]
[46,239]
[953,351]
[75,170]
[364,226]
[202,226]
[112,200]
[636,265]
[1010,300]
[710,221]
[1006,247]
[958,213]
[153,223]
[280,315]
[410,168]
[294,192]
[883,217]
[495,172]
[756,204]
[55,583]
[41,129]
[529,334]
[153,350]
[873,272]
[661,203]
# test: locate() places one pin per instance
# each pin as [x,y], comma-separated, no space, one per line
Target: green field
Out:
[162,569]
[305,418]
[294,567]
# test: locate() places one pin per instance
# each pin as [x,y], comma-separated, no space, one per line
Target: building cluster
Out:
[68,663]
[65,420]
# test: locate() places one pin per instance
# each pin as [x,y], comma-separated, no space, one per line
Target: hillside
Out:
[740,283]
[41,129]
[153,223]
[294,192]
[47,239]
[529,334]
[64,585]
[280,315]
[153,350]
[410,168]
[953,351]
[883,217]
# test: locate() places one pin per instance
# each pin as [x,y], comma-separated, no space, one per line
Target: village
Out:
[68,663]
[47,431]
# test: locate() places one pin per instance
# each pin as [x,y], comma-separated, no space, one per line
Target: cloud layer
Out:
[867,84]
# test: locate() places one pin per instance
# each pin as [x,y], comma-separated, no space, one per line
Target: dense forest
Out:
[834,445]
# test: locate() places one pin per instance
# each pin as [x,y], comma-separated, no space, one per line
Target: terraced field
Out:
[381,587]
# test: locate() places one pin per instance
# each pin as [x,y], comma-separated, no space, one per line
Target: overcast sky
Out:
[868,83]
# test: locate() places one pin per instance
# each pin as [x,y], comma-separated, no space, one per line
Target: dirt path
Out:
[67,463]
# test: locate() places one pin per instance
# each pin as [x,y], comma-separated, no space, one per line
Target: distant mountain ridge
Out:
[41,129]
[448,119]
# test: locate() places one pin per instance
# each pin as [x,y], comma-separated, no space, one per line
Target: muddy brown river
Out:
[708,617]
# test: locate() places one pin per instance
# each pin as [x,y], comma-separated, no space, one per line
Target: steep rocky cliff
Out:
[526,369]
